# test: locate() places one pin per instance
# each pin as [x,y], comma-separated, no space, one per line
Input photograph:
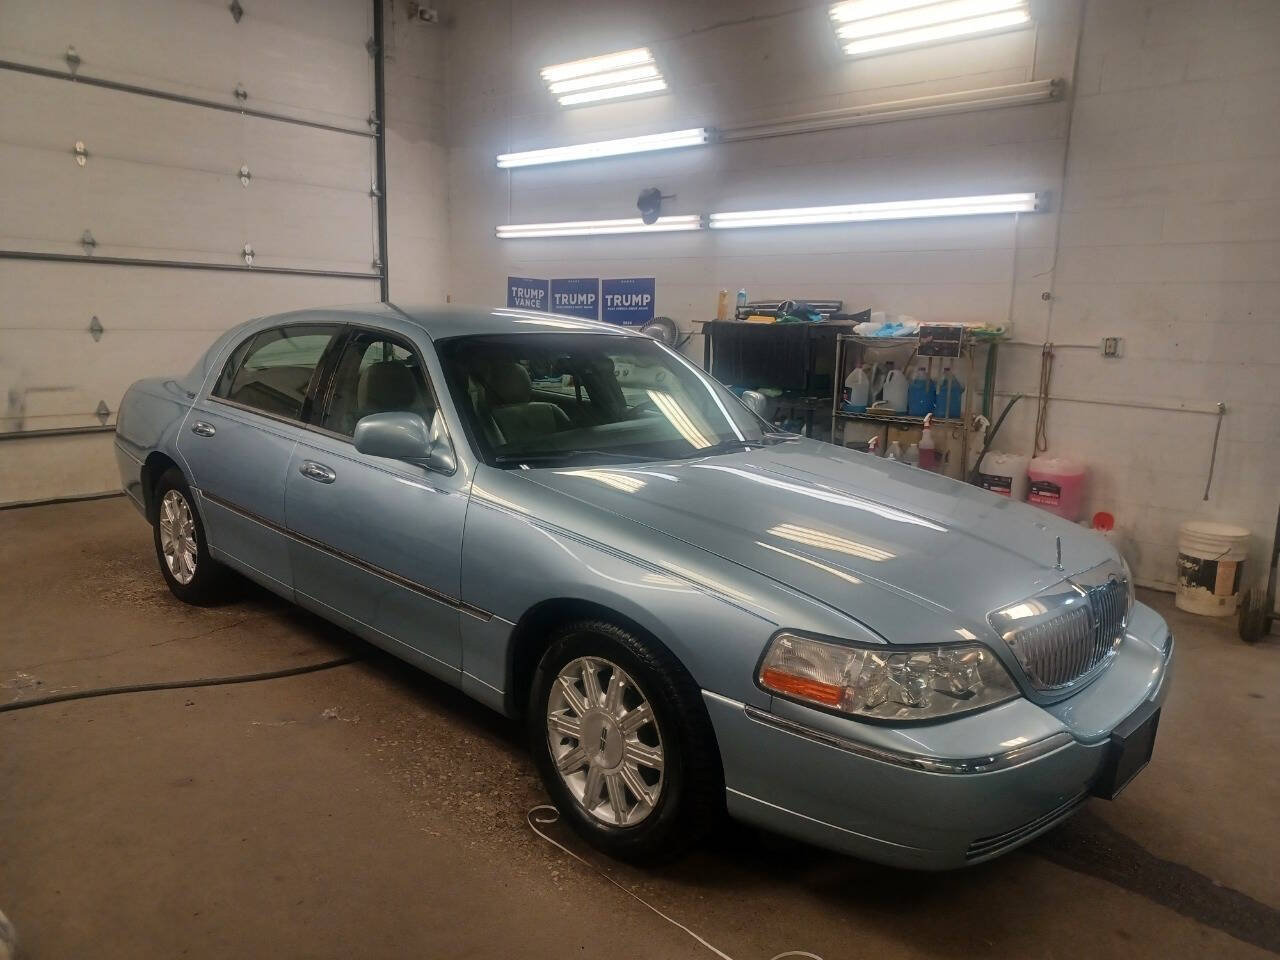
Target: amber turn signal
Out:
[802,688]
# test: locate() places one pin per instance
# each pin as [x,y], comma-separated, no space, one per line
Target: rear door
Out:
[239,437]
[378,541]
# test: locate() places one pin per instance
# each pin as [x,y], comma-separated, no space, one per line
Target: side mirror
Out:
[406,436]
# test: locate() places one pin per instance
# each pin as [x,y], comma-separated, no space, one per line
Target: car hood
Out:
[840,526]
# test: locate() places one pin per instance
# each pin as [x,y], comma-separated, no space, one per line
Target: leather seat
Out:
[518,416]
[387,386]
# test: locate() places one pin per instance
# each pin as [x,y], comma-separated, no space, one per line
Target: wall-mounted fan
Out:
[662,329]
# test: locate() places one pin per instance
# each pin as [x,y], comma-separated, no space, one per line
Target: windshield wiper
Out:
[733,445]
[559,456]
[724,446]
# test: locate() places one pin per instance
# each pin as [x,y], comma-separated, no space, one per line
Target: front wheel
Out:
[181,548]
[622,740]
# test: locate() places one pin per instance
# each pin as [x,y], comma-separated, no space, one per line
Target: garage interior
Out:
[173,168]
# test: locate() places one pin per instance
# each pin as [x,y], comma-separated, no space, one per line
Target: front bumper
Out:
[943,795]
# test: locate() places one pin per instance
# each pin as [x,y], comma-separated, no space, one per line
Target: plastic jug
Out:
[895,390]
[858,383]
[1057,485]
[918,394]
[950,402]
[878,373]
[1005,474]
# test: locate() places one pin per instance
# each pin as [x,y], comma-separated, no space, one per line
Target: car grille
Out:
[1061,649]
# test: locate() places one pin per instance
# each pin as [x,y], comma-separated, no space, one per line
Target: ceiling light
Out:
[590,228]
[613,93]
[607,148]
[892,210]
[610,79]
[628,73]
[872,26]
[603,64]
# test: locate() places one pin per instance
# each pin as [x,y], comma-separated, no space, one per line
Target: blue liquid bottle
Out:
[919,400]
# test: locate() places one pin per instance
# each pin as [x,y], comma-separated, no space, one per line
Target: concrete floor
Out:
[371,811]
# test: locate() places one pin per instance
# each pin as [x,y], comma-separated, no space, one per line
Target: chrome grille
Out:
[1070,631]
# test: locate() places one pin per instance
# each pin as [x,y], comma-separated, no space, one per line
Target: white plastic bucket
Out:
[1210,567]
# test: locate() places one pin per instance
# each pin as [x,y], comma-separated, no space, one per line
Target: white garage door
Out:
[125,258]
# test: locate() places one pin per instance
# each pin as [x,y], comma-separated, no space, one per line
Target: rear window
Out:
[273,370]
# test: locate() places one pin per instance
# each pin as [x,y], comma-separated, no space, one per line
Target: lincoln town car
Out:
[693,613]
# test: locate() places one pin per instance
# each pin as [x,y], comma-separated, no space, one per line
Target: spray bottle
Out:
[928,450]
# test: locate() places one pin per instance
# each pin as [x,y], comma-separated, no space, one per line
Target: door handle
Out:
[317,471]
[202,429]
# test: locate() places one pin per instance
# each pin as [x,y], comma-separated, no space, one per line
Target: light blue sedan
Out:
[691,612]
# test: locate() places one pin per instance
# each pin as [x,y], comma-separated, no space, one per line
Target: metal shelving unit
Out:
[851,345]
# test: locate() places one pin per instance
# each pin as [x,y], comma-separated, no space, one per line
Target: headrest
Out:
[388,385]
[509,383]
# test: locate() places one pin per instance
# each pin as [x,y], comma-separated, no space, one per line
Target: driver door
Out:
[375,540]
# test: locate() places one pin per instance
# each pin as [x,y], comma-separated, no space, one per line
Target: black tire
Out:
[208,583]
[691,799]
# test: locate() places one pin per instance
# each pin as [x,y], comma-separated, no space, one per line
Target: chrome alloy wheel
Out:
[605,741]
[178,536]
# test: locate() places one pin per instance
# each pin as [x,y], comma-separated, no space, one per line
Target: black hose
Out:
[991,435]
[175,684]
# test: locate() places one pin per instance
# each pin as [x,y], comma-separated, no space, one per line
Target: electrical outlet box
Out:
[1111,346]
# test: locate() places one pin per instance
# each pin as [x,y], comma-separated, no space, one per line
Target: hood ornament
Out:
[1058,565]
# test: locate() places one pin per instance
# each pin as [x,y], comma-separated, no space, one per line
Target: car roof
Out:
[452,320]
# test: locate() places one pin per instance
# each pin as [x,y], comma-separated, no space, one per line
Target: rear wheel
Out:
[623,742]
[181,548]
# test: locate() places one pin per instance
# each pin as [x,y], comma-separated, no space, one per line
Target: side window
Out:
[376,374]
[273,370]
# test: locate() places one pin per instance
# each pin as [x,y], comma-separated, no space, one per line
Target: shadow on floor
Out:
[739,858]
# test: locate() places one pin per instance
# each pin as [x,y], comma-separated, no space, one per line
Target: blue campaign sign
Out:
[526,293]
[577,297]
[629,301]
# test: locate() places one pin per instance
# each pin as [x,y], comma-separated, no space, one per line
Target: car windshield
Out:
[539,398]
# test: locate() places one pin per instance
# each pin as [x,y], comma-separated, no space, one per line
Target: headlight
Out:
[883,682]
[1128,577]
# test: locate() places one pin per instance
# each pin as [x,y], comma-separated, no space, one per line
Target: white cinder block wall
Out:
[1163,233]
[1171,239]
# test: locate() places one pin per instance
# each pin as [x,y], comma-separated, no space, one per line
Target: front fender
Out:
[524,545]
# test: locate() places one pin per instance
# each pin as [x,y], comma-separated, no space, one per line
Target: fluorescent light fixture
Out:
[917,16]
[604,79]
[607,148]
[873,26]
[603,64]
[593,228]
[613,93]
[940,104]
[892,210]
[628,73]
